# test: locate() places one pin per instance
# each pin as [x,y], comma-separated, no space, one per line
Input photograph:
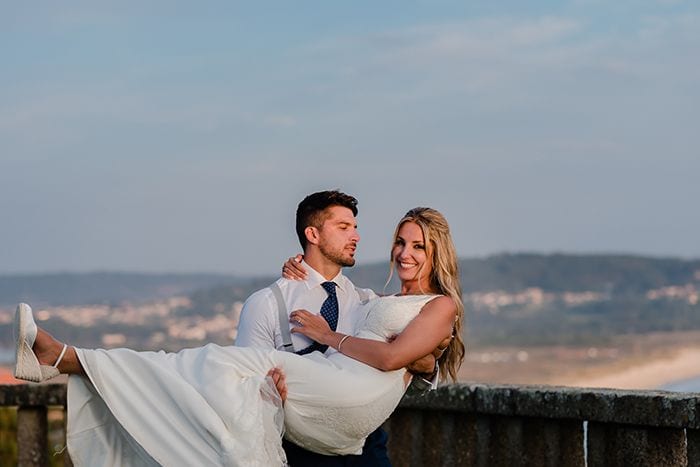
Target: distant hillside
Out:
[535,299]
[101,287]
[614,274]
[510,299]
[610,274]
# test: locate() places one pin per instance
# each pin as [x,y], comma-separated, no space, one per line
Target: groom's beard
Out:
[341,258]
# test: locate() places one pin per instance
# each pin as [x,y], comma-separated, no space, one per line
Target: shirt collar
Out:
[315,279]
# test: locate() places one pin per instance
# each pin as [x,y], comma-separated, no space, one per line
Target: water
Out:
[686,385]
[7,356]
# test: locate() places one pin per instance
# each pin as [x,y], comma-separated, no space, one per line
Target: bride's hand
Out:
[293,270]
[313,326]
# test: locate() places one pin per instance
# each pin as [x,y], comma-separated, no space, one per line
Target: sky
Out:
[180,136]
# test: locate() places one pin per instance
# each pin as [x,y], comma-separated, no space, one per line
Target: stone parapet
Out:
[499,425]
[653,408]
[486,425]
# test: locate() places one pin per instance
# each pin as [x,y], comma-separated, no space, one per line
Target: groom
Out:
[327,231]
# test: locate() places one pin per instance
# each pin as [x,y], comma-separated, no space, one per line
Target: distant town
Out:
[530,317]
[161,324]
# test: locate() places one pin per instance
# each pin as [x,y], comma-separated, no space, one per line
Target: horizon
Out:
[364,264]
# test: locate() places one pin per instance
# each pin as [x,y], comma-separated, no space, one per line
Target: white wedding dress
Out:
[214,406]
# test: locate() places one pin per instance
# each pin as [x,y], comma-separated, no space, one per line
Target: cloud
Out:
[504,54]
[481,37]
[435,59]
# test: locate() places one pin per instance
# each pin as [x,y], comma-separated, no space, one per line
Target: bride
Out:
[213,405]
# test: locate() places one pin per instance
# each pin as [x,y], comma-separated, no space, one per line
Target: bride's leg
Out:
[48,349]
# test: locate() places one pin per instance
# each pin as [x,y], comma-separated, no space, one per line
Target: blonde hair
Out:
[444,278]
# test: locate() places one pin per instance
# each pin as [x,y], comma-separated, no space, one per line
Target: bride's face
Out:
[410,255]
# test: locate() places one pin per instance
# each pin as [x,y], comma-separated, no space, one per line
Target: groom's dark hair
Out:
[310,210]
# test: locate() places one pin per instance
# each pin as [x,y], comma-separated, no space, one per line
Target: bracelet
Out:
[342,340]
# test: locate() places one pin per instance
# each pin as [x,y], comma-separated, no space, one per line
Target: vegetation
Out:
[618,284]
[593,323]
[615,274]
[101,287]
[8,436]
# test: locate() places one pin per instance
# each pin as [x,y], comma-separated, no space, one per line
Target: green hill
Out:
[101,287]
[510,299]
[616,274]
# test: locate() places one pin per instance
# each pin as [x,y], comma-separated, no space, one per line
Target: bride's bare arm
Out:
[424,365]
[422,335]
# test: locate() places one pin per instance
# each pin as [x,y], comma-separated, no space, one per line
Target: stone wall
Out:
[482,425]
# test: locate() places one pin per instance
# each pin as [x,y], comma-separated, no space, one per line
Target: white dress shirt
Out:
[259,324]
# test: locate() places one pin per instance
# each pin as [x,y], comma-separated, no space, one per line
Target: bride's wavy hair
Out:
[444,277]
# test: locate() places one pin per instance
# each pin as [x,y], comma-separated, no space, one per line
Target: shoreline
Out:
[648,361]
[658,372]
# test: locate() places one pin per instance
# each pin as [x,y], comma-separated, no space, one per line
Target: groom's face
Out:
[338,236]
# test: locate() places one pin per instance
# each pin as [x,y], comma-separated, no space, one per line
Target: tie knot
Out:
[329,287]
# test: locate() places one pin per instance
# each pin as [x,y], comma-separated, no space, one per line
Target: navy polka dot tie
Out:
[329,311]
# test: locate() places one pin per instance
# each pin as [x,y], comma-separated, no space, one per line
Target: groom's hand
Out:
[278,378]
[423,366]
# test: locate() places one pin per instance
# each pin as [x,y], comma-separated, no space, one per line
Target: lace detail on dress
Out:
[390,315]
[349,425]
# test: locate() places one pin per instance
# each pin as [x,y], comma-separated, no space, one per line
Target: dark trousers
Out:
[374,454]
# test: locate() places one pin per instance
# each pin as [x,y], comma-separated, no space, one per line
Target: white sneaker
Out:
[27,366]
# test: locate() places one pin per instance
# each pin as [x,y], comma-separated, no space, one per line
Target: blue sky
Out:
[176,136]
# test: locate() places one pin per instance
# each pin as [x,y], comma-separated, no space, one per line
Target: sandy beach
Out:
[628,362]
[656,373]
[650,361]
